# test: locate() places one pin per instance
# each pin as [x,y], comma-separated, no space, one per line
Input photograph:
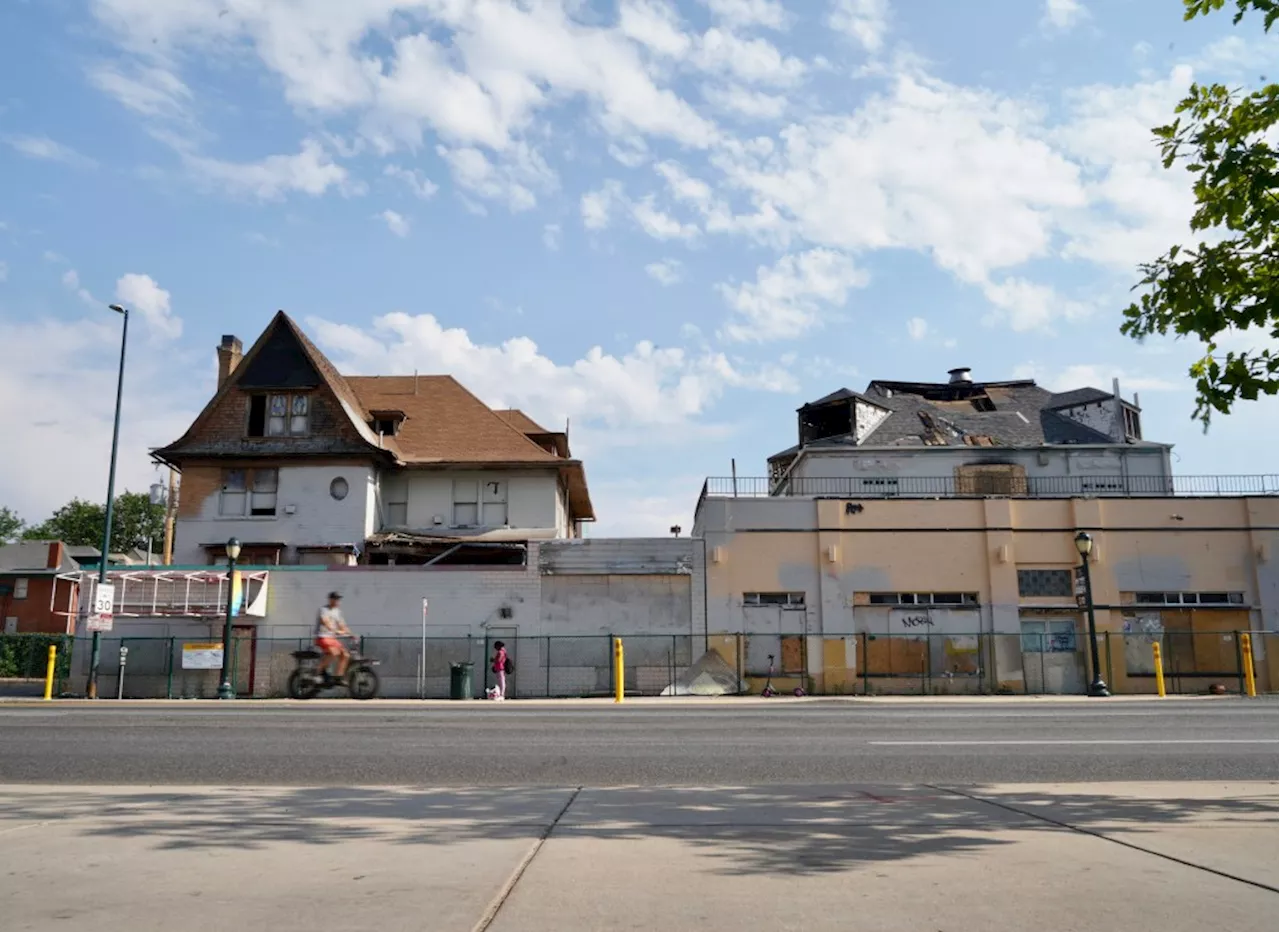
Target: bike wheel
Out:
[363,684]
[302,686]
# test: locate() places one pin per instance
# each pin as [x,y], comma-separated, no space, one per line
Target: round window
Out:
[338,488]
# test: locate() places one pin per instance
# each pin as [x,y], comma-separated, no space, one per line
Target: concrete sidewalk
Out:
[1180,857]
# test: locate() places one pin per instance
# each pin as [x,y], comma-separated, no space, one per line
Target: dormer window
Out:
[1132,425]
[386,423]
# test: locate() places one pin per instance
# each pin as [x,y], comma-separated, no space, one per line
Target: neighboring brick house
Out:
[305,465]
[38,587]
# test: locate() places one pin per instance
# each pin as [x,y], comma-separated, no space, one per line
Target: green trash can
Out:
[460,680]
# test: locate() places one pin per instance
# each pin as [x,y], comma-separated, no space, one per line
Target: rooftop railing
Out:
[988,486]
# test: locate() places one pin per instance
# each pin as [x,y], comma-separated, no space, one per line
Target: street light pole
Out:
[91,688]
[1084,546]
[225,689]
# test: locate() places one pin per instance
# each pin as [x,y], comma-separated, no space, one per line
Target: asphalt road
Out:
[812,743]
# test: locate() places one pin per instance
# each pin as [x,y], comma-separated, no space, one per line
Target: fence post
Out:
[1111,674]
[548,665]
[168,671]
[1239,663]
[866,666]
[1246,644]
[1159,665]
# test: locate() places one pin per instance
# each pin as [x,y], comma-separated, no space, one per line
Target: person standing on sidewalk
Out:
[501,667]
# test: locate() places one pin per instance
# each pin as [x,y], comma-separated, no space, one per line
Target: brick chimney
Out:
[54,560]
[229,352]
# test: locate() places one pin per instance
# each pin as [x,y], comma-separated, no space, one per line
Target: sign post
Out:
[422,662]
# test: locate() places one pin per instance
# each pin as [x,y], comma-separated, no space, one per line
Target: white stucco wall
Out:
[306,514]
[1086,463]
[532,496]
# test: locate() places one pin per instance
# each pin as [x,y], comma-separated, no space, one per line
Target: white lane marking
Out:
[1070,741]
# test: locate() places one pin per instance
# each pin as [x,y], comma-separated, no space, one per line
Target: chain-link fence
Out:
[582,666]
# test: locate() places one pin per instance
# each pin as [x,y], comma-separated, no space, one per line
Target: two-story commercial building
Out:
[305,465]
[921,537]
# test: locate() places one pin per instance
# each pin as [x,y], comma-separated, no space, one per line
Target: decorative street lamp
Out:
[225,689]
[91,688]
[1084,546]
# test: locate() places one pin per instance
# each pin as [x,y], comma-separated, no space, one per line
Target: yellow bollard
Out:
[1246,649]
[1155,654]
[48,673]
[618,674]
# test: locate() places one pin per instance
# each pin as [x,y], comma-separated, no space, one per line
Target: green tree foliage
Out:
[10,525]
[1226,140]
[78,522]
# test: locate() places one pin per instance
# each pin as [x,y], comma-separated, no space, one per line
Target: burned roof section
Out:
[958,412]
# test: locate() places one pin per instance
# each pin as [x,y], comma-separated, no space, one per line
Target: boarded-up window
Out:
[493,507]
[992,480]
[894,655]
[792,654]
[466,503]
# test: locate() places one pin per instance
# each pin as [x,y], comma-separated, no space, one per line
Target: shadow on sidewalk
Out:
[774,830]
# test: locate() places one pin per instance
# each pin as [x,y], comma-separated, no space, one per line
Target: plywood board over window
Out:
[994,479]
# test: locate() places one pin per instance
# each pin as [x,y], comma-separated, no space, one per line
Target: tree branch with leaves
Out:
[1228,283]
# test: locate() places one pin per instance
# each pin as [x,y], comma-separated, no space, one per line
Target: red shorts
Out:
[329,645]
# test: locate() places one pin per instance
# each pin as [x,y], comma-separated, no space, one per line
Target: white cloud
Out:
[261,239]
[1090,375]
[147,89]
[791,297]
[1026,305]
[743,102]
[1135,208]
[475,73]
[740,14]
[71,366]
[418,183]
[864,21]
[659,224]
[665,271]
[917,328]
[71,281]
[1063,15]
[142,295]
[963,175]
[46,149]
[750,60]
[395,222]
[551,235]
[646,390]
[1234,56]
[597,207]
[645,507]
[310,171]
[655,25]
[512,181]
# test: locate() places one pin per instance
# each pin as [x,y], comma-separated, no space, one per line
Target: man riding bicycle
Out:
[330,629]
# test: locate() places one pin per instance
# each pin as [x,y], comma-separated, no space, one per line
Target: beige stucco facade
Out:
[882,594]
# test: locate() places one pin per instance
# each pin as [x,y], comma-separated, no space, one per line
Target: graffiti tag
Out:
[916,621]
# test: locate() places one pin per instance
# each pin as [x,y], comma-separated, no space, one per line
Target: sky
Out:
[666,224]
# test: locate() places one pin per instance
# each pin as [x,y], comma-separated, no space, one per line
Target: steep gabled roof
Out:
[281,331]
[445,423]
[521,421]
[1078,396]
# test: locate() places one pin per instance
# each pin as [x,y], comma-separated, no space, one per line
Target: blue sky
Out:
[667,223]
